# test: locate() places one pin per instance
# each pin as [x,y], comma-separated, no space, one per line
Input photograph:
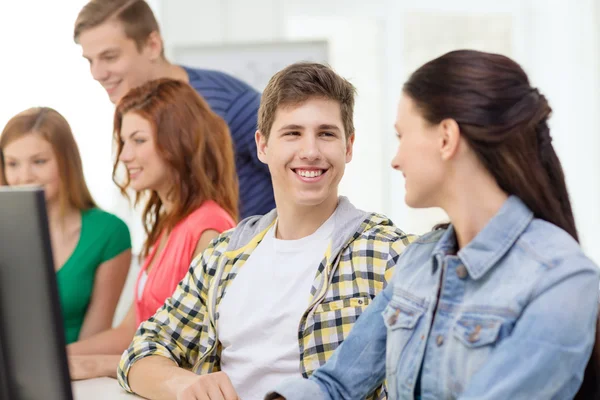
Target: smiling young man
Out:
[274,297]
[121,41]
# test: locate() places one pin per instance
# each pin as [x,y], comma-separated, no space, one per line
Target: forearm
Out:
[96,366]
[91,328]
[112,341]
[107,365]
[159,378]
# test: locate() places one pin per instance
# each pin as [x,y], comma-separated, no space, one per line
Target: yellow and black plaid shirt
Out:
[184,329]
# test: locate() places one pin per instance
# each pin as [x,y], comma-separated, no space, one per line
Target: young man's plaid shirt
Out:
[184,329]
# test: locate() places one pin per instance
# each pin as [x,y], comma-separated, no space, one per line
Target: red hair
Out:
[193,141]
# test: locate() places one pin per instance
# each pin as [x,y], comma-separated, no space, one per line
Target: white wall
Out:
[562,55]
[42,66]
[372,43]
[376,47]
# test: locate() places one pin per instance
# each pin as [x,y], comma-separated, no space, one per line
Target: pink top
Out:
[175,258]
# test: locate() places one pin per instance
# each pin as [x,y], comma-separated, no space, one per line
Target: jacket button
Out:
[474,336]
[461,271]
[440,340]
[394,317]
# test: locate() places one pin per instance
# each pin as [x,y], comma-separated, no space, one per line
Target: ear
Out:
[349,147]
[154,46]
[450,138]
[261,146]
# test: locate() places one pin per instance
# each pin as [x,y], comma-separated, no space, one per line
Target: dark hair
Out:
[297,83]
[196,145]
[504,120]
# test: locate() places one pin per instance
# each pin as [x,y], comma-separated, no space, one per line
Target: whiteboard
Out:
[253,63]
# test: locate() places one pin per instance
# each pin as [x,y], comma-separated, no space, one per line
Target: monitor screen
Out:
[32,343]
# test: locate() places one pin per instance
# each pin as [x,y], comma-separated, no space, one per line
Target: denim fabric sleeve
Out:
[355,369]
[546,354]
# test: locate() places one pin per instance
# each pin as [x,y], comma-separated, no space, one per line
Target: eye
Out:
[40,162]
[292,133]
[111,57]
[139,141]
[327,134]
[11,164]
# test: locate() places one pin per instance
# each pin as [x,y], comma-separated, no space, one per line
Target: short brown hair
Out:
[300,81]
[54,128]
[194,142]
[136,16]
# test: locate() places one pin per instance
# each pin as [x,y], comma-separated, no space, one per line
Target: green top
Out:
[103,236]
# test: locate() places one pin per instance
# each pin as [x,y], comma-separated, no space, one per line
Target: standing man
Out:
[122,42]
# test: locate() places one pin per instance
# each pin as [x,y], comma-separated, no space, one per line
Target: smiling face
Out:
[419,156]
[306,152]
[146,168]
[115,60]
[30,160]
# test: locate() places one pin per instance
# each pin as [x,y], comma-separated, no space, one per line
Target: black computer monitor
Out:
[33,362]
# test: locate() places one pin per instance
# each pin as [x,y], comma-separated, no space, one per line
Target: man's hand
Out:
[215,386]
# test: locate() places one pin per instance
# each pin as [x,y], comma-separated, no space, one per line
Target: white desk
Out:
[100,389]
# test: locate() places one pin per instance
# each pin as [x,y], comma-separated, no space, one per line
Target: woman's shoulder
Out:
[549,245]
[97,216]
[209,213]
[106,232]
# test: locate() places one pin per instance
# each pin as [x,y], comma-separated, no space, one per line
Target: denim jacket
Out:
[510,316]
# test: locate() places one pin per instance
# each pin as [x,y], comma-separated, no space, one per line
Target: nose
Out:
[310,149]
[396,161]
[99,71]
[25,176]
[126,155]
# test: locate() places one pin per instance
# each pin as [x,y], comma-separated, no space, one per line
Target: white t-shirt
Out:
[260,313]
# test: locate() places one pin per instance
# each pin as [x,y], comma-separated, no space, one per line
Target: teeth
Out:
[111,86]
[310,174]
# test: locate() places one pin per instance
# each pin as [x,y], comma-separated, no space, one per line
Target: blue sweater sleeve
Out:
[242,120]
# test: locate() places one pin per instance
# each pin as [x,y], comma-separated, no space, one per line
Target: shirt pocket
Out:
[474,332]
[401,317]
[333,320]
[348,304]
[474,339]
[326,326]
